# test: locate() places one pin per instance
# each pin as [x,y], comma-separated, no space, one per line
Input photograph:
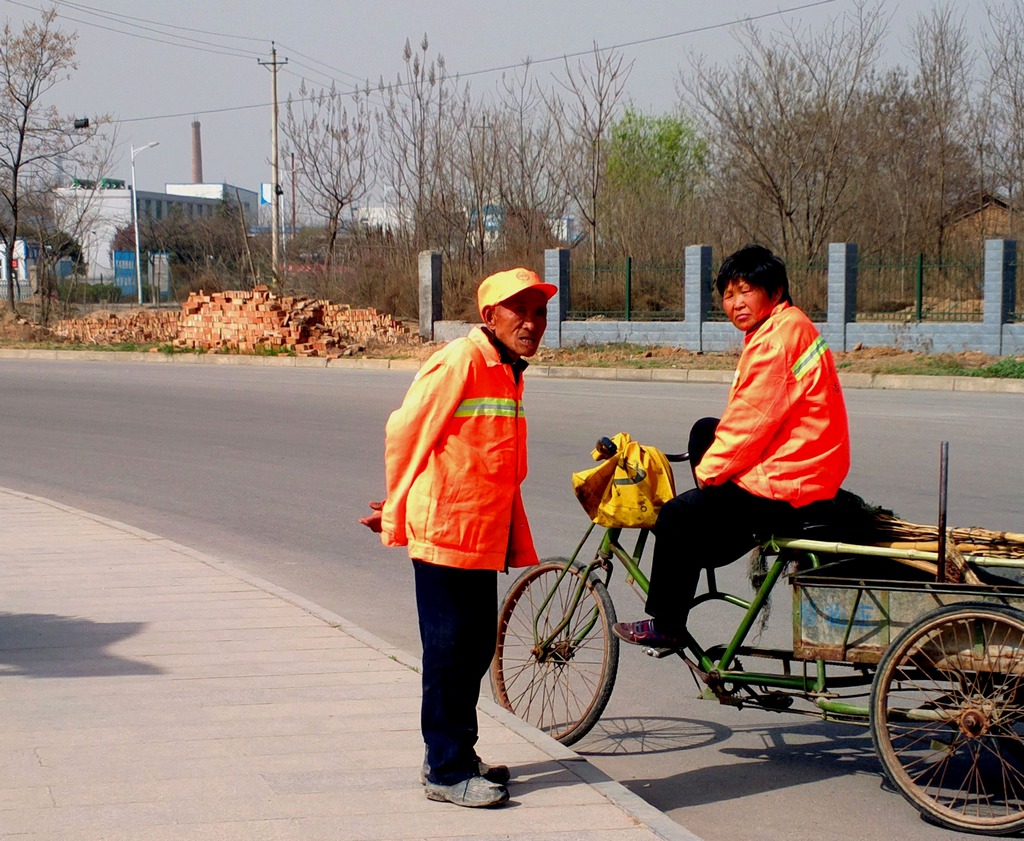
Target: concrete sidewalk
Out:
[149,692]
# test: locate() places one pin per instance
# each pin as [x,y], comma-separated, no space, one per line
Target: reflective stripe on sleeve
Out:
[498,407]
[807,359]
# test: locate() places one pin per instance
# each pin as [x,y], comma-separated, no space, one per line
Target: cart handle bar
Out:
[606,447]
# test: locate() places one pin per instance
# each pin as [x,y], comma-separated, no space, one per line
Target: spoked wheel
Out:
[558,679]
[947,718]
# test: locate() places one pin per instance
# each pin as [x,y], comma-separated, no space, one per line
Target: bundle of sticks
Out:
[973,540]
[880,527]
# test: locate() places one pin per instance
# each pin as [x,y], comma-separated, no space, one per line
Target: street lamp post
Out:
[135,218]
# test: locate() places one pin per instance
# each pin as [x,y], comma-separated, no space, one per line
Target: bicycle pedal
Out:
[776,701]
[659,653]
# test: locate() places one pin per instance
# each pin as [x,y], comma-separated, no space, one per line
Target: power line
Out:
[191,113]
[210,47]
[197,45]
[106,13]
[293,51]
[652,39]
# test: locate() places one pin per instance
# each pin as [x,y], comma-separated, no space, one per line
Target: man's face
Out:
[519,322]
[748,306]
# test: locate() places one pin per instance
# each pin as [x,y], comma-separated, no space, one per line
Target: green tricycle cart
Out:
[928,654]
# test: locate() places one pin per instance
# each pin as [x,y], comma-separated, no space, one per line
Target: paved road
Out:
[271,467]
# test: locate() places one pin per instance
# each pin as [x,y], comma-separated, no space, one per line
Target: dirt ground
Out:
[19,331]
[869,360]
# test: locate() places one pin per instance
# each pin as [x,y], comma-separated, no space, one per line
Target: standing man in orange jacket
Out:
[782,443]
[455,457]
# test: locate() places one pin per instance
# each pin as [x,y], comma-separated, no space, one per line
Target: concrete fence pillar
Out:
[430,292]
[697,292]
[999,290]
[842,293]
[556,271]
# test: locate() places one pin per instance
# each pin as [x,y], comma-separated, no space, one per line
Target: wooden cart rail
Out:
[841,617]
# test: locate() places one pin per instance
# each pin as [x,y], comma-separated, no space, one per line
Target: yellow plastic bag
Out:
[628,489]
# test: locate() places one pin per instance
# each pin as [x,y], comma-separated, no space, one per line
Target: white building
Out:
[248,199]
[385,217]
[25,256]
[100,209]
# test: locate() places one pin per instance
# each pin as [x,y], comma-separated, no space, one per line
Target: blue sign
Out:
[493,216]
[124,271]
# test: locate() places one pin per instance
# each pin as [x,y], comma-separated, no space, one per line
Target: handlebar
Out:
[606,447]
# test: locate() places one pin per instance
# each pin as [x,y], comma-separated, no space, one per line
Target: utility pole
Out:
[275,206]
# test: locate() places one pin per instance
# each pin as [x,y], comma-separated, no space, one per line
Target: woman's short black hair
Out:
[757,266]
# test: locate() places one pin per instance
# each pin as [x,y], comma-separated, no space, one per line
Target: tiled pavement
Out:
[152,693]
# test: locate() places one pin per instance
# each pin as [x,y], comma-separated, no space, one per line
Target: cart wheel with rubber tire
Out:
[555,666]
[947,717]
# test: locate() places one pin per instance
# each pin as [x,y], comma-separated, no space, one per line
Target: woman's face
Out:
[748,306]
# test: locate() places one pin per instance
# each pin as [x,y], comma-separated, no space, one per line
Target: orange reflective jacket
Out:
[455,457]
[784,433]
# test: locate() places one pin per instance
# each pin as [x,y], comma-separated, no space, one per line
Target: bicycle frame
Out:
[717,667]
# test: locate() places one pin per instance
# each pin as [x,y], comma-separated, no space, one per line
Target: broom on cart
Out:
[959,546]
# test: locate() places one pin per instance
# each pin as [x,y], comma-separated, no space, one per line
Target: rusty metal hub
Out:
[974,722]
[559,652]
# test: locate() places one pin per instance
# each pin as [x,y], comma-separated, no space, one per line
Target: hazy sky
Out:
[156,65]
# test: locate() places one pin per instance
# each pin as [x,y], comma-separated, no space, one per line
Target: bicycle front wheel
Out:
[558,682]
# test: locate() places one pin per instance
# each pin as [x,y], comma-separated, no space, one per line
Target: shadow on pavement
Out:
[786,758]
[634,735]
[46,646]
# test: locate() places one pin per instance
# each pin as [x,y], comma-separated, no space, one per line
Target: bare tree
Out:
[940,48]
[60,217]
[778,117]
[1004,47]
[34,137]
[460,185]
[475,157]
[887,142]
[410,147]
[332,147]
[525,137]
[582,118]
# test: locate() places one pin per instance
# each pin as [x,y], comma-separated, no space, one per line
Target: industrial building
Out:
[100,208]
[106,209]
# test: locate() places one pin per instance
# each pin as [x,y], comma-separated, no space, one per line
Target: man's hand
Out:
[373,521]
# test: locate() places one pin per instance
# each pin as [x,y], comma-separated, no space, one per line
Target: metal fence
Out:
[808,286]
[921,289]
[633,290]
[627,290]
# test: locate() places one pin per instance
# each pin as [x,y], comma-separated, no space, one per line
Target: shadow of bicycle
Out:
[748,759]
[639,735]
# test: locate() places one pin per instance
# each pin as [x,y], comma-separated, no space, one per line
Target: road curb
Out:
[849,380]
[616,793]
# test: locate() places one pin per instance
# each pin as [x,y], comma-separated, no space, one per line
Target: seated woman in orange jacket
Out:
[782,443]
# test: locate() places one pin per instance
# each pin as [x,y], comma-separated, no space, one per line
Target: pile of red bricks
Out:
[116,328]
[247,321]
[243,322]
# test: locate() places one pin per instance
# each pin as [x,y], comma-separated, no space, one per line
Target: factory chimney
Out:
[197,154]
